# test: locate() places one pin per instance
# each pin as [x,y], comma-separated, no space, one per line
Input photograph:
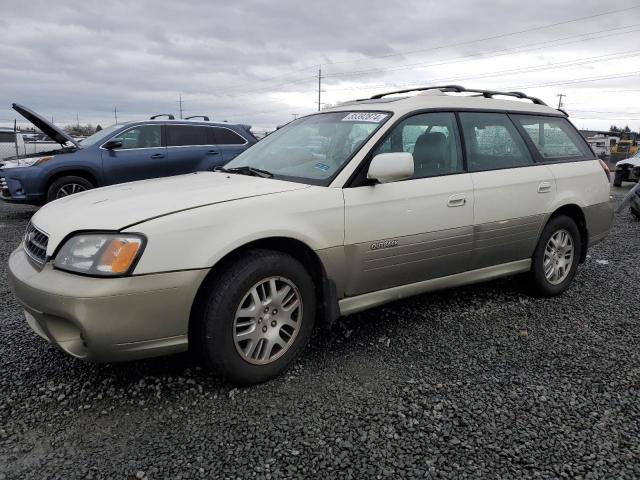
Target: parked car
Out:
[11,143]
[117,154]
[361,204]
[627,170]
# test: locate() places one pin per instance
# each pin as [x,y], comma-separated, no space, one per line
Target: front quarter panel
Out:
[200,237]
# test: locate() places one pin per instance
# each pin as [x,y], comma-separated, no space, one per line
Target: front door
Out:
[417,229]
[141,156]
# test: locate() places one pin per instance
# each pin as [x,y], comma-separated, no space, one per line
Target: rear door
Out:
[142,155]
[512,192]
[192,148]
[416,229]
[230,143]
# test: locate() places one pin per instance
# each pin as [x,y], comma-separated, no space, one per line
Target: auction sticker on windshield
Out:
[365,117]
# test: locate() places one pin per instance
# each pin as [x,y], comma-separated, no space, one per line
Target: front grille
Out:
[4,188]
[35,244]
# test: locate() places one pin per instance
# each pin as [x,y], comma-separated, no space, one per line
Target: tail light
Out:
[605,167]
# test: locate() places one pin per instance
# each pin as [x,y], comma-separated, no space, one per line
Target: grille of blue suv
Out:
[35,244]
[4,188]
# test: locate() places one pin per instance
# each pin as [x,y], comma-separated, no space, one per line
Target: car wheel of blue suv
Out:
[65,186]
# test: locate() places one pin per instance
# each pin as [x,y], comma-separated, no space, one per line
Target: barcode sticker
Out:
[365,117]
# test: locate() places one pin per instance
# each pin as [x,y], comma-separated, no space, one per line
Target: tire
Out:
[538,276]
[222,336]
[68,185]
[617,179]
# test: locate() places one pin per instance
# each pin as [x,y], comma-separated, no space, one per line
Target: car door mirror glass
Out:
[391,167]
[113,144]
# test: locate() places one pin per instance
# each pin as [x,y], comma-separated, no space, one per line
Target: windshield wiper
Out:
[256,172]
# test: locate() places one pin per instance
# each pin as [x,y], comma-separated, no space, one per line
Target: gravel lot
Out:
[476,382]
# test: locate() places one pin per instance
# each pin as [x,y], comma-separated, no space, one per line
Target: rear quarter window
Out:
[225,136]
[554,138]
[7,137]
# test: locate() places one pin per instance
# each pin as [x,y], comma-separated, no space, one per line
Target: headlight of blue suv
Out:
[26,162]
[100,254]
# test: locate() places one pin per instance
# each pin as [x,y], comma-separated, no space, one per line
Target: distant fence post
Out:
[15,136]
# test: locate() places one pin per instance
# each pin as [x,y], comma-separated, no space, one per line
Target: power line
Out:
[492,37]
[498,53]
[443,46]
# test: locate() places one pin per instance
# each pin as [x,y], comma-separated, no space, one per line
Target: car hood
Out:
[46,127]
[635,161]
[124,205]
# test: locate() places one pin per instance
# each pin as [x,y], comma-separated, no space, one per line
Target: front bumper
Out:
[106,319]
[20,185]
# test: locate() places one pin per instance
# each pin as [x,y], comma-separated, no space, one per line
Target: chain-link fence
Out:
[11,143]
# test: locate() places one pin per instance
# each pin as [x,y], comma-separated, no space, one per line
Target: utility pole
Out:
[180,102]
[295,115]
[77,120]
[115,114]
[560,95]
[319,85]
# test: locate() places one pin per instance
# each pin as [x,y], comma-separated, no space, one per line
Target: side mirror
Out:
[391,167]
[111,144]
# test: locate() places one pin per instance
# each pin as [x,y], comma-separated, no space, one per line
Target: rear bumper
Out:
[106,319]
[598,220]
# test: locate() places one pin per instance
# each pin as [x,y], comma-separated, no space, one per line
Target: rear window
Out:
[554,137]
[7,137]
[225,136]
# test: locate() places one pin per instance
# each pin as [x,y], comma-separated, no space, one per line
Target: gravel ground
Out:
[475,382]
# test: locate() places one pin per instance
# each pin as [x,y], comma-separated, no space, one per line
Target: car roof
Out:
[182,122]
[449,97]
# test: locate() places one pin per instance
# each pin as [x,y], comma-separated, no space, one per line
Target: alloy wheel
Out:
[558,257]
[69,189]
[267,320]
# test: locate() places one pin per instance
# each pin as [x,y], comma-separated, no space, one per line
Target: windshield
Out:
[312,149]
[98,137]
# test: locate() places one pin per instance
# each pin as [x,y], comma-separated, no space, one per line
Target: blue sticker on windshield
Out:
[322,166]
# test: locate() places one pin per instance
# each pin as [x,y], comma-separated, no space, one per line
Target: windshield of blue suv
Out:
[100,136]
[312,149]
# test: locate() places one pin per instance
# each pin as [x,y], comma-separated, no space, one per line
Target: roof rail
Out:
[203,117]
[459,89]
[168,115]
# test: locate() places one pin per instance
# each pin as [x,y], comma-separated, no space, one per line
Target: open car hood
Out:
[46,127]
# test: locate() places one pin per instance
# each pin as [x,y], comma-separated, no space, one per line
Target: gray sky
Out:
[256,61]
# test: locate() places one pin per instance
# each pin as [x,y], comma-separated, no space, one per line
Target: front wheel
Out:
[65,186]
[256,318]
[555,259]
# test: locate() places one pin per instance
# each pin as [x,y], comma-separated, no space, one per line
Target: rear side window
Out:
[554,138]
[7,137]
[492,142]
[225,136]
[187,135]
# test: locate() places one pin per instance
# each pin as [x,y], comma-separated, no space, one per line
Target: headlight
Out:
[26,162]
[100,254]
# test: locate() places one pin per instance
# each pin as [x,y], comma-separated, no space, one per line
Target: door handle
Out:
[213,152]
[544,187]
[457,200]
[157,155]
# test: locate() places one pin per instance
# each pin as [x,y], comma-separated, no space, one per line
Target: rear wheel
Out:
[68,185]
[256,318]
[617,179]
[556,257]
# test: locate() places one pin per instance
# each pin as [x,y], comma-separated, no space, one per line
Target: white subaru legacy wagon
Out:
[336,212]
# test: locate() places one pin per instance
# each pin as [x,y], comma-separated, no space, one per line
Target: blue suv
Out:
[117,154]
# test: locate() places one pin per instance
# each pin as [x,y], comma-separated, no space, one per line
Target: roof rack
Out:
[203,117]
[459,89]
[168,115]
